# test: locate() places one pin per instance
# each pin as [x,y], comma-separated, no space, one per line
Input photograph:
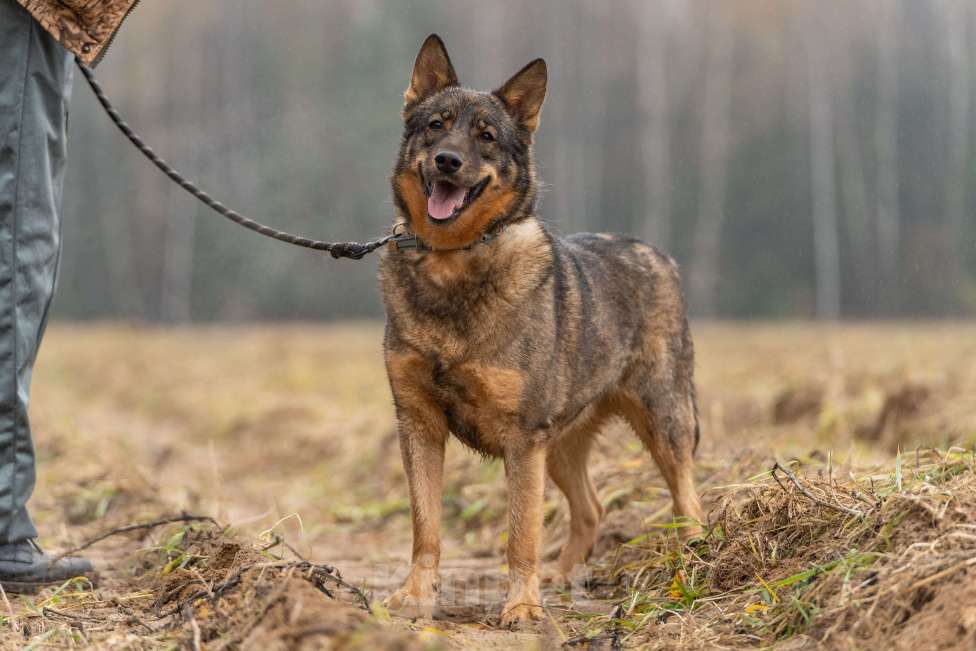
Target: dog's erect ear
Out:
[524,93]
[432,72]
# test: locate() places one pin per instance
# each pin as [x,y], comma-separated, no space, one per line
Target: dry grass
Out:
[201,585]
[845,561]
[286,434]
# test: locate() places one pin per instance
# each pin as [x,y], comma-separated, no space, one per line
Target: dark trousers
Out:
[35,84]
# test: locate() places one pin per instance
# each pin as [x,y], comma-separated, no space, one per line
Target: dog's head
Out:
[465,163]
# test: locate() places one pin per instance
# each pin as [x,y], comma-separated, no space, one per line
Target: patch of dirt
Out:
[945,621]
[295,424]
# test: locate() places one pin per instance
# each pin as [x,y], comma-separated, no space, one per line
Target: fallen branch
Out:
[12,618]
[135,527]
[50,612]
[212,595]
[195,640]
[315,574]
[796,482]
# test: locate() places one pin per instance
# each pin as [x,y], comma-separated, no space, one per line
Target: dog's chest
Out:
[482,403]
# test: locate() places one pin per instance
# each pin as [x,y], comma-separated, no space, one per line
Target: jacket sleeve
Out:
[83,27]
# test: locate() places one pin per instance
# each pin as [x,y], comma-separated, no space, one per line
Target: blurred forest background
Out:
[800,158]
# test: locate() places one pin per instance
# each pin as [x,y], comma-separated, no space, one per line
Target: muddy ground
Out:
[284,435]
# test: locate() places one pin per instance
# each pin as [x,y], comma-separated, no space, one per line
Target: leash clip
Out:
[405,242]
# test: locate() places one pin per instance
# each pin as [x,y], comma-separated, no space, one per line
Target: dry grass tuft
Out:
[844,562]
[202,586]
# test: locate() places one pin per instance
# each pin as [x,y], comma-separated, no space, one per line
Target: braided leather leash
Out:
[353,250]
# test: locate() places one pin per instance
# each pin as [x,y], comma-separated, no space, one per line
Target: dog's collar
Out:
[404,240]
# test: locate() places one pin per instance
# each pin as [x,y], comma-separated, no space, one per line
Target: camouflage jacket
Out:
[84,27]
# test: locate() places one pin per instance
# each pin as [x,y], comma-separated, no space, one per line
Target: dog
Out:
[519,343]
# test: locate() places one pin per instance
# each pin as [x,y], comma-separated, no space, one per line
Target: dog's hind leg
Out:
[665,421]
[566,463]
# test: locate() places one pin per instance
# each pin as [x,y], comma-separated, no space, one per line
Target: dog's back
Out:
[610,314]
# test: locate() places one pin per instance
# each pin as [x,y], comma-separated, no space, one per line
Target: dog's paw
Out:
[691,534]
[555,575]
[515,614]
[524,604]
[408,604]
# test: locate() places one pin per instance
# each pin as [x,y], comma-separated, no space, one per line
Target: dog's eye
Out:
[435,125]
[487,137]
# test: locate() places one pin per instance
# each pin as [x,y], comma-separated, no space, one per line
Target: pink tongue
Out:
[444,200]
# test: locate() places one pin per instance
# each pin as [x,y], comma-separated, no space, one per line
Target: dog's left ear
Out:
[432,72]
[524,93]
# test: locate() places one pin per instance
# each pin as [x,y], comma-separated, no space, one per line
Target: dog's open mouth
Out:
[445,201]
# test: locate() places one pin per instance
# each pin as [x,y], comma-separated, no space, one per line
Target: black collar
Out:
[404,240]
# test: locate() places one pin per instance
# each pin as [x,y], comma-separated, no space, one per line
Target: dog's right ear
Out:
[432,72]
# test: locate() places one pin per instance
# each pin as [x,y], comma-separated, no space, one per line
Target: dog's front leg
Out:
[422,441]
[525,468]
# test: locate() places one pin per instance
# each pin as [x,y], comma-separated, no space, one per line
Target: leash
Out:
[352,250]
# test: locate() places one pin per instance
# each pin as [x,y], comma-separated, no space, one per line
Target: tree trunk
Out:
[590,169]
[569,152]
[715,145]
[822,172]
[957,176]
[853,181]
[653,99]
[887,218]
[176,265]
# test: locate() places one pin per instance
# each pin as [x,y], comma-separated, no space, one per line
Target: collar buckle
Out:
[404,242]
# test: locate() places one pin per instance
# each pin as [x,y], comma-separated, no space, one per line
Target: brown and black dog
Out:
[520,343]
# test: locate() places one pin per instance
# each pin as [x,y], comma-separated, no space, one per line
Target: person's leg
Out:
[35,83]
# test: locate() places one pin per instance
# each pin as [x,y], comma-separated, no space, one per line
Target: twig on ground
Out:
[315,574]
[46,611]
[295,552]
[234,638]
[132,618]
[940,575]
[10,609]
[212,594]
[187,612]
[135,527]
[275,541]
[796,482]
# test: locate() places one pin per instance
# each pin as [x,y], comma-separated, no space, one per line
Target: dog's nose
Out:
[448,161]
